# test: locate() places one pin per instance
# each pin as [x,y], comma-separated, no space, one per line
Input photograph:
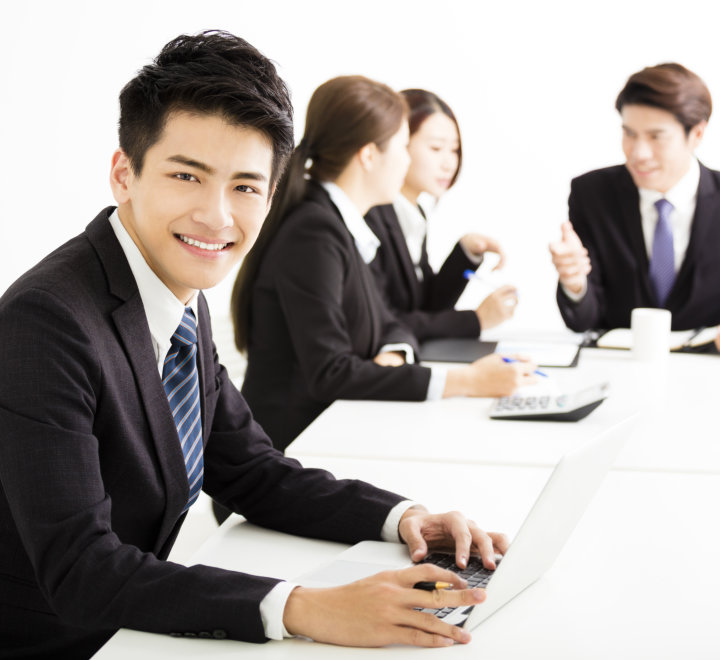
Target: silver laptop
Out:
[557,510]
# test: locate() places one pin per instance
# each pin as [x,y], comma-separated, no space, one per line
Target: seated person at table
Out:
[95,481]
[420,298]
[646,233]
[305,305]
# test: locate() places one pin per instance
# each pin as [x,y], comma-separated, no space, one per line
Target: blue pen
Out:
[471,275]
[537,371]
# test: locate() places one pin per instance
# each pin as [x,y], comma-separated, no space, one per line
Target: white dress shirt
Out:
[414,228]
[367,244]
[413,223]
[683,197]
[164,313]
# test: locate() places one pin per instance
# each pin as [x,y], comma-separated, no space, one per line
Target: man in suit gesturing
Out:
[646,233]
[114,410]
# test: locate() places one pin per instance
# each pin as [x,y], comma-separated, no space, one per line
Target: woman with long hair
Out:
[420,298]
[305,305]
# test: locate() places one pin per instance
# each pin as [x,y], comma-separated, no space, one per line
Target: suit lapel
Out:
[131,324]
[399,247]
[706,209]
[205,363]
[631,226]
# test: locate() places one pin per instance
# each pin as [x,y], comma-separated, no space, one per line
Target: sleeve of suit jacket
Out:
[435,316]
[62,501]
[588,312]
[243,470]
[310,266]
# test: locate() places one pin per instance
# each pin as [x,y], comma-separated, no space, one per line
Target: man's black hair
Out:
[211,73]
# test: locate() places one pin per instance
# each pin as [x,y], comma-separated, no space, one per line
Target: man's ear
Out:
[120,176]
[696,134]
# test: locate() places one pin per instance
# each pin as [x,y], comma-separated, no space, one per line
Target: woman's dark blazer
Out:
[316,322]
[425,306]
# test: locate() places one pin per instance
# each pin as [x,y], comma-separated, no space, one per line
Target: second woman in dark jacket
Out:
[421,298]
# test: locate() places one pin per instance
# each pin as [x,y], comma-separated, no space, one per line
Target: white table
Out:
[639,577]
[677,433]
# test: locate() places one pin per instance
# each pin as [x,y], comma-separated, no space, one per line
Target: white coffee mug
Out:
[650,333]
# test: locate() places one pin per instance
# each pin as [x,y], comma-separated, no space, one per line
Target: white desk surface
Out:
[653,535]
[677,433]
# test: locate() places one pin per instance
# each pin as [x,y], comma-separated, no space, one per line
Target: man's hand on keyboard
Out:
[421,531]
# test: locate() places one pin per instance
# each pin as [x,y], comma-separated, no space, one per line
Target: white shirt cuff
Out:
[575,297]
[272,610]
[389,530]
[400,348]
[438,376]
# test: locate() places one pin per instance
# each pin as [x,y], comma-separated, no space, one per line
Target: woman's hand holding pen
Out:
[490,376]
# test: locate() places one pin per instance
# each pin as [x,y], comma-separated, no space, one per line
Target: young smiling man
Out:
[115,411]
[646,233]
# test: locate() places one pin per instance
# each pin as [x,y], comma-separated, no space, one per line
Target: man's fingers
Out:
[425,629]
[500,541]
[412,535]
[441,598]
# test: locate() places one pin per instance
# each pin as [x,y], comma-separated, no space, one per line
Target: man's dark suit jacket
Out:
[92,474]
[605,212]
[426,306]
[317,320]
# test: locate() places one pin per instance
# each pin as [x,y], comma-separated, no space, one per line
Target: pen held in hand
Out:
[432,586]
[537,371]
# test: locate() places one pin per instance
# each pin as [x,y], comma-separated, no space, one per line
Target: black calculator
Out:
[565,407]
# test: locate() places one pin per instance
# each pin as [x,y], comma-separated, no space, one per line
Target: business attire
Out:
[317,320]
[94,483]
[615,222]
[419,297]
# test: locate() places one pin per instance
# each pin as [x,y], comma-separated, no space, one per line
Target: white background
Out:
[532,83]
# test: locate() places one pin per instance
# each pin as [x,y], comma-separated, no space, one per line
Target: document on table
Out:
[678,339]
[544,354]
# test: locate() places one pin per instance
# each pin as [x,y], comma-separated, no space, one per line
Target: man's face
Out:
[198,204]
[657,151]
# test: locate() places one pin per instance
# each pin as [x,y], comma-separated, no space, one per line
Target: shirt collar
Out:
[683,194]
[365,240]
[411,217]
[162,309]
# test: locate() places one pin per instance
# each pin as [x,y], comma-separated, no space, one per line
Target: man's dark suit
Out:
[93,478]
[317,321]
[605,212]
[426,306]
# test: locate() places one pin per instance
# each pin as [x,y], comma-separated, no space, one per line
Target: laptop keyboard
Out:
[476,575]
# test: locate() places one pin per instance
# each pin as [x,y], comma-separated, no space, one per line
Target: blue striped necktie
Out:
[662,261]
[182,387]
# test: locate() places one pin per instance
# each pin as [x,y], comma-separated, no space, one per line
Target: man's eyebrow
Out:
[191,162]
[204,167]
[253,176]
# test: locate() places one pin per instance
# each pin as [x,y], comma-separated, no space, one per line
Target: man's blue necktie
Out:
[662,262]
[182,387]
